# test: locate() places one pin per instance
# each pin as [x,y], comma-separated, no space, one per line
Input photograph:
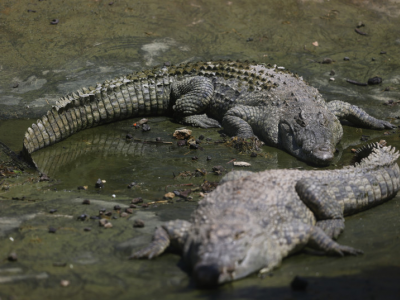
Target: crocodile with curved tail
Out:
[252,221]
[247,99]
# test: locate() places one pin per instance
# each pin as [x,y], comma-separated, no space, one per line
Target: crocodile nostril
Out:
[324,148]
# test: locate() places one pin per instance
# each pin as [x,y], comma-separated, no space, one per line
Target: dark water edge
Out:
[94,41]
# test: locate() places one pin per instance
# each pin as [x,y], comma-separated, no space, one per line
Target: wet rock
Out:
[95,218]
[195,158]
[86,202]
[82,217]
[364,138]
[108,225]
[52,211]
[99,184]
[52,230]
[129,210]
[44,177]
[182,134]
[142,121]
[201,137]
[382,52]
[138,224]
[117,207]
[346,58]
[332,73]
[373,59]
[103,222]
[124,215]
[208,158]
[108,213]
[375,80]
[146,127]
[169,196]
[177,193]
[54,22]
[129,136]
[208,139]
[218,170]
[132,206]
[64,283]
[145,205]
[253,154]
[137,200]
[87,229]
[82,187]
[12,257]
[131,185]
[298,284]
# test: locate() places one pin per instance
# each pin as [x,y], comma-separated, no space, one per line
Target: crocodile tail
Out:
[117,99]
[374,155]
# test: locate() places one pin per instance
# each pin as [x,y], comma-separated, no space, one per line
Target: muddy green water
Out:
[94,41]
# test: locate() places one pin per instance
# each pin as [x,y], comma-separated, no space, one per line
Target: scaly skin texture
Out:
[247,99]
[253,220]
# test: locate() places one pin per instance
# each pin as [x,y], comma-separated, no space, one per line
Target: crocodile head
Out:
[227,252]
[311,133]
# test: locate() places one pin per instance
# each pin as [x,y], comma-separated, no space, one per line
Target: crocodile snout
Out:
[323,153]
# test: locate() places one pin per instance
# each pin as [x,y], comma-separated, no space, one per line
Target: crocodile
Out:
[248,99]
[252,221]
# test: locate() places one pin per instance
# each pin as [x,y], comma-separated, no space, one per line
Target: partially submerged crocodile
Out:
[254,220]
[248,99]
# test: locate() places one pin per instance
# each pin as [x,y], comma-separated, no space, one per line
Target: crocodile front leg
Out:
[171,233]
[192,97]
[356,115]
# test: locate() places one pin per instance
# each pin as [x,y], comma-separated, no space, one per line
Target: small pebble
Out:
[113,195]
[382,52]
[375,80]
[82,187]
[201,137]
[82,217]
[117,207]
[145,127]
[208,158]
[108,225]
[64,283]
[108,214]
[195,158]
[158,139]
[124,215]
[132,206]
[87,229]
[103,222]
[331,79]
[181,143]
[86,202]
[52,230]
[253,154]
[54,22]
[138,224]
[346,58]
[145,205]
[137,200]
[129,210]
[12,256]
[249,40]
[129,136]
[373,59]
[52,211]
[169,196]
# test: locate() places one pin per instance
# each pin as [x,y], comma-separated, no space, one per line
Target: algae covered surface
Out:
[91,41]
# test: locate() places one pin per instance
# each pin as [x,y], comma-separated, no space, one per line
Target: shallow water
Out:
[94,41]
